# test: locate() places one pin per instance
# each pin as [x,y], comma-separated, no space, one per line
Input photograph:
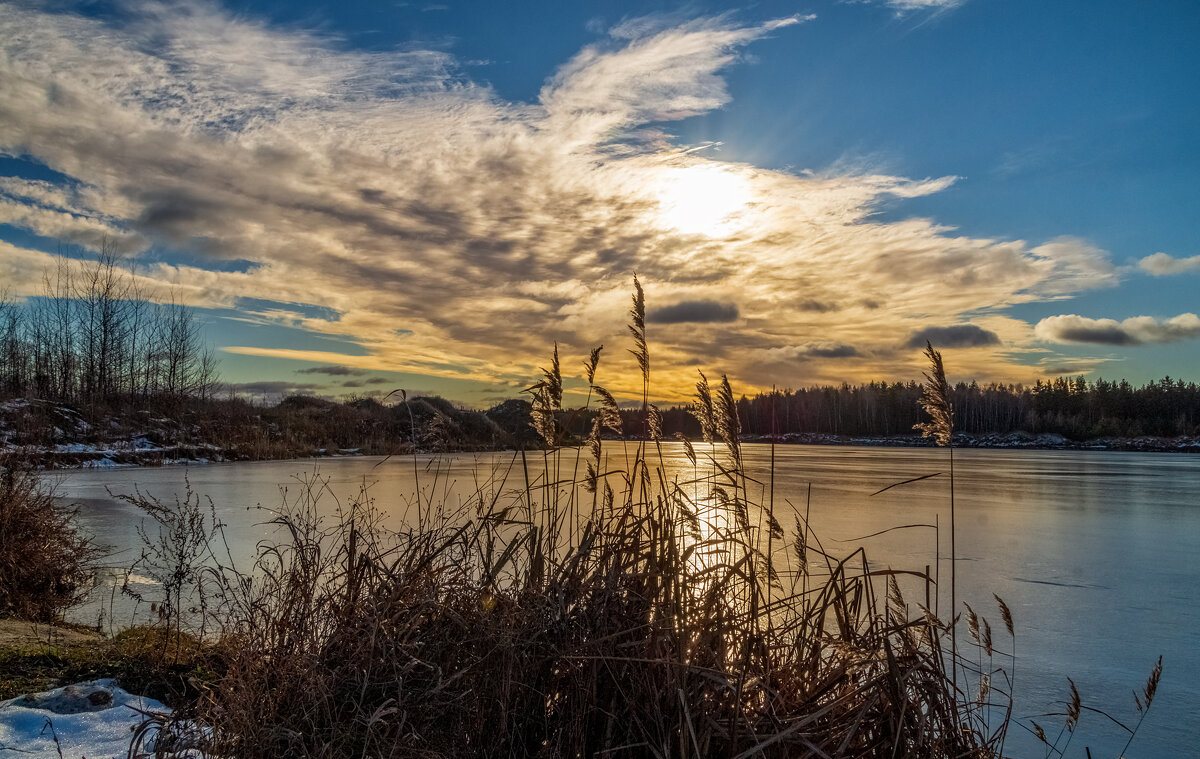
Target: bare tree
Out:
[99,335]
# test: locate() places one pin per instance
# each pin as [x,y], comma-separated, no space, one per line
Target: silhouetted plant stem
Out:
[936,402]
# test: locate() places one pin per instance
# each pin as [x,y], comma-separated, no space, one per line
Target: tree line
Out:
[98,335]
[1072,407]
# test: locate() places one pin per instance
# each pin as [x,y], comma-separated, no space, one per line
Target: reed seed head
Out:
[936,400]
[1074,707]
[589,366]
[703,410]
[729,427]
[1006,615]
[655,421]
[1152,684]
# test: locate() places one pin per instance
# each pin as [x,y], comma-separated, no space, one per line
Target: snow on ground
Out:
[95,720]
[76,448]
[104,463]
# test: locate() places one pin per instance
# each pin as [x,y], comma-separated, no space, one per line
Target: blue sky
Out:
[427,195]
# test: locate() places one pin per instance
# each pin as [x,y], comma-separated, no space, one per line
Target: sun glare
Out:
[705,200]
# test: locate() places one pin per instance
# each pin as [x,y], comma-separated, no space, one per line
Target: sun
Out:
[706,199]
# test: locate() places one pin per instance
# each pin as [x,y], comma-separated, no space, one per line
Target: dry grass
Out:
[648,634]
[617,610]
[45,563]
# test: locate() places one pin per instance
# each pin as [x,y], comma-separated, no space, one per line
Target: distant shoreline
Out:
[997,441]
[125,455]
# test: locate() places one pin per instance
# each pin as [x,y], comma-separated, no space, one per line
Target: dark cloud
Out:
[334,371]
[273,387]
[1137,330]
[1100,334]
[832,351]
[817,306]
[1061,370]
[694,311]
[956,336]
[183,217]
[372,196]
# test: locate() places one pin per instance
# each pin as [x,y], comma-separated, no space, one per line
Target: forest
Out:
[1072,407]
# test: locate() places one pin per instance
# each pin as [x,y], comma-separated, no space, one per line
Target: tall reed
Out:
[661,621]
[936,401]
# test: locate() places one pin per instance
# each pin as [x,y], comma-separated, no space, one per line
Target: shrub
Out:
[45,563]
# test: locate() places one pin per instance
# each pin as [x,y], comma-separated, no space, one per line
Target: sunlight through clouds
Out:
[707,200]
[397,194]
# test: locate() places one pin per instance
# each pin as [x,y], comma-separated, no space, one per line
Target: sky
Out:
[357,197]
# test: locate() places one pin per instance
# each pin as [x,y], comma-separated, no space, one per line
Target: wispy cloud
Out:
[1071,328]
[1163,265]
[1061,366]
[452,233]
[905,6]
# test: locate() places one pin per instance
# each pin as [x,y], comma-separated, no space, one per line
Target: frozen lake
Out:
[1095,552]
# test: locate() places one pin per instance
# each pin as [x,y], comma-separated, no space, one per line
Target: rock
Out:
[72,699]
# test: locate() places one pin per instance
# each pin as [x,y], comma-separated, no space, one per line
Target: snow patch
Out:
[105,463]
[95,719]
[76,448]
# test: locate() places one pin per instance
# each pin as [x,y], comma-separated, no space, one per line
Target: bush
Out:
[44,562]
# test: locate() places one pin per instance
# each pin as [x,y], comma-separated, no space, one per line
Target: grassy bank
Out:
[38,657]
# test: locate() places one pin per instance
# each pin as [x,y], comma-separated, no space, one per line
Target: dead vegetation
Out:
[603,608]
[45,563]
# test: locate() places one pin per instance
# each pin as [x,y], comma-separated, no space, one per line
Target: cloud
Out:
[335,370]
[821,307]
[1162,265]
[812,350]
[365,382]
[694,311]
[448,232]
[1138,330]
[956,336]
[831,351]
[273,388]
[904,6]
[1058,370]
